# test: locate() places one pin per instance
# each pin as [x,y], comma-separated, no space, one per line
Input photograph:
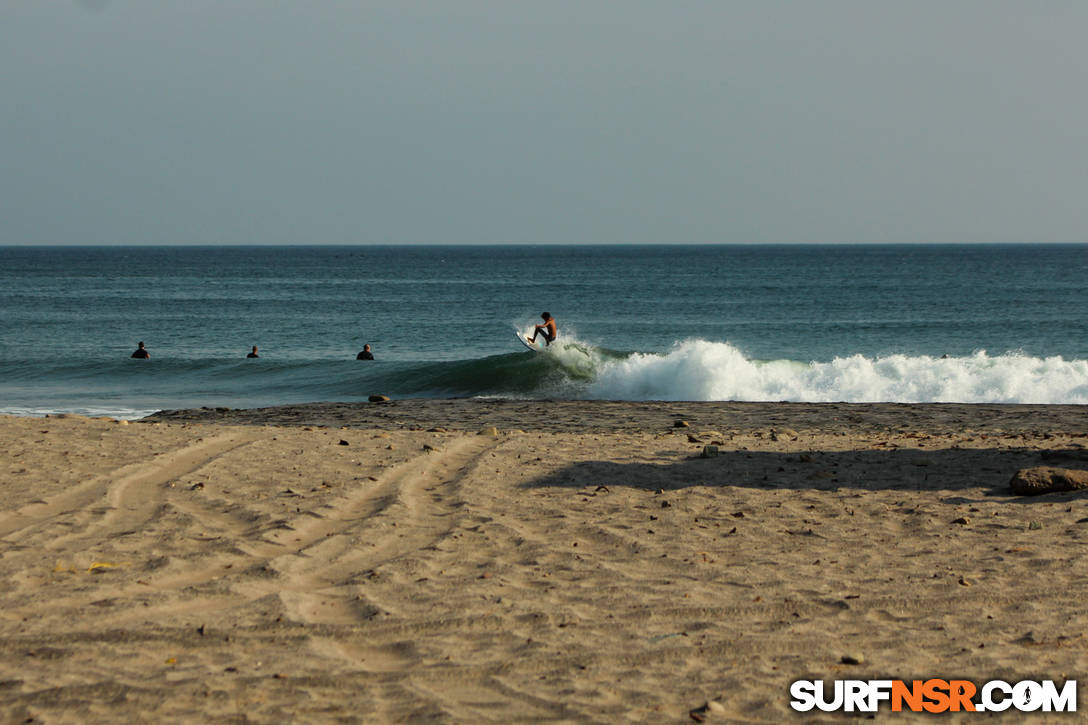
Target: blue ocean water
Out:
[917,323]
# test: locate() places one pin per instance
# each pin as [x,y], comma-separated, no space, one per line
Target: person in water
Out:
[141,352]
[254,353]
[366,354]
[548,329]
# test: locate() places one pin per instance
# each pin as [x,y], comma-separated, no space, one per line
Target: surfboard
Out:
[535,347]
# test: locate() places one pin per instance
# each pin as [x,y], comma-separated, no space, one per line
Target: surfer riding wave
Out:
[549,331]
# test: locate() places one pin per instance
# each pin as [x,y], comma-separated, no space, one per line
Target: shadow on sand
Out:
[980,471]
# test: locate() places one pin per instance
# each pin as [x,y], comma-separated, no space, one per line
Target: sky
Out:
[529,121]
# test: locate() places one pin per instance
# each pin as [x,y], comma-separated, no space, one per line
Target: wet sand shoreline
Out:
[565,416]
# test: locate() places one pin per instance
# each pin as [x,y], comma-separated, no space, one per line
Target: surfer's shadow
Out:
[988,470]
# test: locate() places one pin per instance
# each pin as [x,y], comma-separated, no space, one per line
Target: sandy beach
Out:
[509,561]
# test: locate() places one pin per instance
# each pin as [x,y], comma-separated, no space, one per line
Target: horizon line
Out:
[532,244]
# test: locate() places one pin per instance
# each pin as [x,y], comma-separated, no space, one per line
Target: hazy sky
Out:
[266,121]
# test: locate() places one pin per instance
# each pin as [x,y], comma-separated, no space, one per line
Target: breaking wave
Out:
[702,370]
[697,370]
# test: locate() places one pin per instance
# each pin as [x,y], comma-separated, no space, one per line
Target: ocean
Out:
[856,323]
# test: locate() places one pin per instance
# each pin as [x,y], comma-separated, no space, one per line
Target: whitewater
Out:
[714,371]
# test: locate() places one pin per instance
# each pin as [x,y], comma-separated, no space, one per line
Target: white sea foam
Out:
[701,370]
[40,412]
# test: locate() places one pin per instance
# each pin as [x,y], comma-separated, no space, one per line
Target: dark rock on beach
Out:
[1045,479]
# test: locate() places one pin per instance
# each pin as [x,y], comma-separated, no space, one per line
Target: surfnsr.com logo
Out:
[933,695]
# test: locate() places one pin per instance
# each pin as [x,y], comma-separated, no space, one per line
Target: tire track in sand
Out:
[413,507]
[111,503]
[308,565]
